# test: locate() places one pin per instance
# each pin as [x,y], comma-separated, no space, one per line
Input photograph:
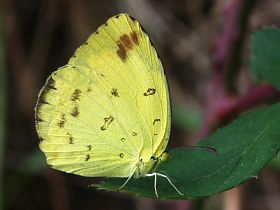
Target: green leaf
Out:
[243,148]
[265,61]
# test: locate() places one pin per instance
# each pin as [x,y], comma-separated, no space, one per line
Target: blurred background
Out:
[195,39]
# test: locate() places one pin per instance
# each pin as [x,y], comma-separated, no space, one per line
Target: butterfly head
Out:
[144,167]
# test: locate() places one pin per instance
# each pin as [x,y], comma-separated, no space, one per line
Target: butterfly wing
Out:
[108,107]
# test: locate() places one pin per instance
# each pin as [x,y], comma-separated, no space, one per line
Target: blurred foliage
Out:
[3,100]
[266,55]
[186,118]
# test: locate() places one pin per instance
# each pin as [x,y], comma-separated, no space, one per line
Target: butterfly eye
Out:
[153,158]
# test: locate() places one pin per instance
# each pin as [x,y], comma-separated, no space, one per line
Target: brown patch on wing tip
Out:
[134,37]
[76,95]
[150,91]
[122,52]
[107,122]
[127,43]
[62,121]
[75,112]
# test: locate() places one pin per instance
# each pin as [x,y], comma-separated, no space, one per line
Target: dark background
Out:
[38,36]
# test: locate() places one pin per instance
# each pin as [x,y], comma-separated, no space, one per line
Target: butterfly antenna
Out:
[127,180]
[203,149]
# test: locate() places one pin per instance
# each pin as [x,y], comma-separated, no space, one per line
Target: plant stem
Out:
[229,44]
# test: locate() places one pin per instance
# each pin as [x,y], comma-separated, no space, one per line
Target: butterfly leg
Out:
[162,175]
[155,182]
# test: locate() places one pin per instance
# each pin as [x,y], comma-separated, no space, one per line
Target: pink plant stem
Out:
[228,37]
[222,104]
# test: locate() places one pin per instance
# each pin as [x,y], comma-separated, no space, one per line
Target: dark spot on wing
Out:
[75,111]
[41,139]
[97,32]
[155,134]
[89,147]
[71,140]
[87,157]
[102,75]
[117,16]
[132,18]
[114,92]
[156,120]
[38,119]
[42,97]
[122,139]
[121,155]
[51,83]
[76,95]
[134,134]
[89,89]
[107,122]
[86,43]
[62,120]
[150,91]
[105,24]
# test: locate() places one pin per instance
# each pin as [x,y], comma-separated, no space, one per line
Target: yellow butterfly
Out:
[107,112]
